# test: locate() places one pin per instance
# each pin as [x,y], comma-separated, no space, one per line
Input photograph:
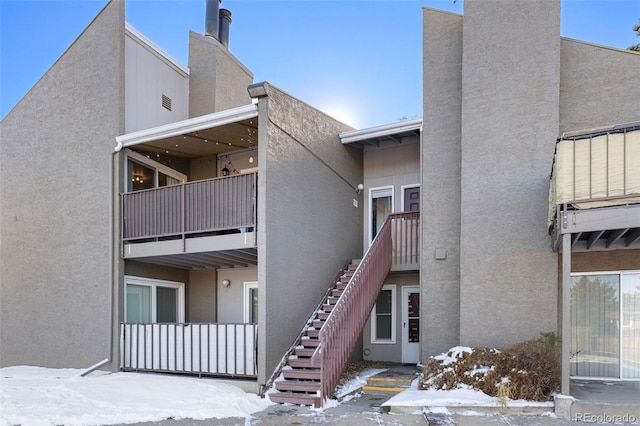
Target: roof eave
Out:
[353,136]
[208,121]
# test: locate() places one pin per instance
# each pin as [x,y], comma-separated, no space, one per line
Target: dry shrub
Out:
[529,370]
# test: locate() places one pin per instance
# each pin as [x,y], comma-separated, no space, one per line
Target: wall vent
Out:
[166,102]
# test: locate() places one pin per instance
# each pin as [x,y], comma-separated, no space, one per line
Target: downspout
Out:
[111,266]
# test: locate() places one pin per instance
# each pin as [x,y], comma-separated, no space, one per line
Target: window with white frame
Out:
[153,301]
[251,302]
[380,206]
[145,173]
[383,316]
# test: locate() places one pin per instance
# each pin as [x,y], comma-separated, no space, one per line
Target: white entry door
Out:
[411,325]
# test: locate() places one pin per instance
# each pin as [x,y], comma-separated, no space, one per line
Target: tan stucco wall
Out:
[231,300]
[203,296]
[441,159]
[510,118]
[307,223]
[392,166]
[619,260]
[55,187]
[384,351]
[218,80]
[598,86]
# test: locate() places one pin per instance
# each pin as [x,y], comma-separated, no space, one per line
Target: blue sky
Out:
[357,60]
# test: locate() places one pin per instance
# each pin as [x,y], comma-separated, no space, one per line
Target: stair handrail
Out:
[333,358]
[283,361]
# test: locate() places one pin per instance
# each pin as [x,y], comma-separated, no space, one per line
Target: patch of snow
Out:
[452,355]
[462,397]
[43,396]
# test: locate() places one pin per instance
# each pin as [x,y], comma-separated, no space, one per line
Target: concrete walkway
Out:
[365,407]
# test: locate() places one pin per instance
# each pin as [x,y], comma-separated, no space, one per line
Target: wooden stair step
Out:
[310,343]
[298,385]
[301,373]
[323,315]
[295,398]
[336,292]
[301,362]
[303,352]
[327,307]
[341,286]
[332,300]
[317,323]
[344,280]
[312,333]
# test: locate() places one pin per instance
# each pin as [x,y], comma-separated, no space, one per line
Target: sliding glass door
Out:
[605,322]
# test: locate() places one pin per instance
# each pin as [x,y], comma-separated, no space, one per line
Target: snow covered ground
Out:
[37,396]
[43,396]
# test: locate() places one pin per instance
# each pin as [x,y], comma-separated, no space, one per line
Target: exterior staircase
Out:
[310,370]
[300,381]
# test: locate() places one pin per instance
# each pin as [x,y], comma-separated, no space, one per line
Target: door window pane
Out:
[253,312]
[413,316]
[166,304]
[631,326]
[380,209]
[166,180]
[138,304]
[595,323]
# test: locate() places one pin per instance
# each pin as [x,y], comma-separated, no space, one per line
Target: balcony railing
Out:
[210,205]
[340,332]
[203,349]
[405,237]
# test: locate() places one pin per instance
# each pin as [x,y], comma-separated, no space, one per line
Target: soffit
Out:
[382,136]
[211,134]
[206,260]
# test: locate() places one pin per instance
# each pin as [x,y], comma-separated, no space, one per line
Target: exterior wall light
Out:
[258,90]
[226,283]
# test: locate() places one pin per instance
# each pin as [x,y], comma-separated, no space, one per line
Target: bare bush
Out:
[529,370]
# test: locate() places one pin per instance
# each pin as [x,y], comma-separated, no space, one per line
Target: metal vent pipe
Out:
[223,27]
[212,13]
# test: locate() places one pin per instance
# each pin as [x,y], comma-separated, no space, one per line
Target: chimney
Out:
[211,18]
[223,27]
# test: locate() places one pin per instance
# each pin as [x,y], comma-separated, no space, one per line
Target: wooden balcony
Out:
[594,192]
[208,215]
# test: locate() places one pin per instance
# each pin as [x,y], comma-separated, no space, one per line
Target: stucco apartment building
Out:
[198,222]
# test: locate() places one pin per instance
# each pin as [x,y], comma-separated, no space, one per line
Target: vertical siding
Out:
[147,78]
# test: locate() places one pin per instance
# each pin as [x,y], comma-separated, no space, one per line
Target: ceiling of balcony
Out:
[207,142]
[206,260]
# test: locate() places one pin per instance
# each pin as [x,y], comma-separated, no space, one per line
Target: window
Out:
[145,173]
[383,316]
[605,324]
[251,302]
[380,206]
[153,301]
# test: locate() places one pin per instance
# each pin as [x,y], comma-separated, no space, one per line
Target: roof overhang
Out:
[379,136]
[227,127]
